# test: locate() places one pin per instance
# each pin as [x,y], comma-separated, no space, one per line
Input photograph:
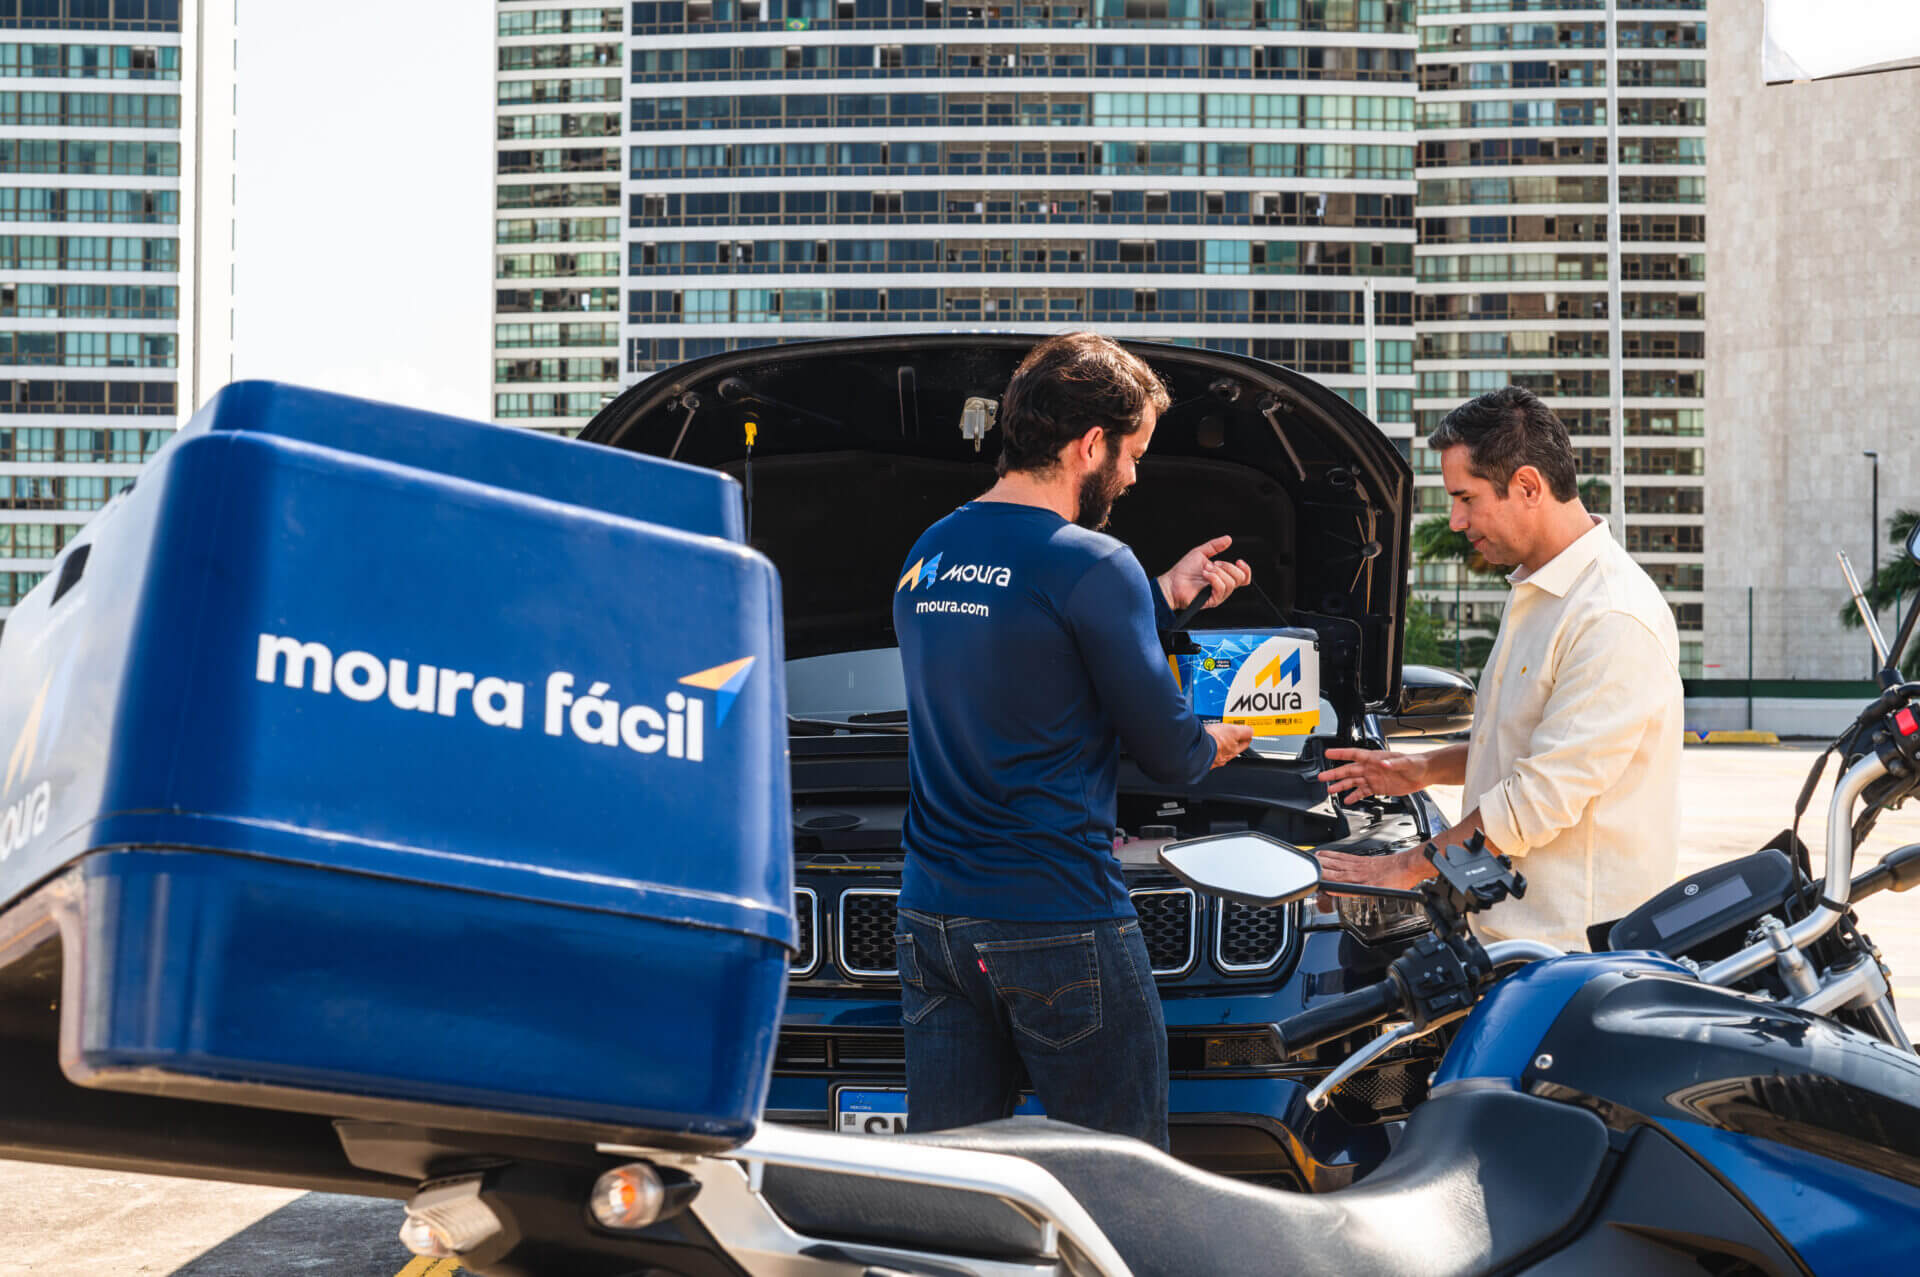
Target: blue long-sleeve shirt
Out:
[1031,655]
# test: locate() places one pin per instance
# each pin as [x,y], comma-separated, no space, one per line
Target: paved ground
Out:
[63,1223]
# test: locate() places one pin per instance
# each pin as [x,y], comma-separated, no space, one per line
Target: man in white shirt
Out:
[1573,765]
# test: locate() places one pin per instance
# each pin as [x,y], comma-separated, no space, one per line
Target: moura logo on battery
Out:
[1259,701]
[1267,703]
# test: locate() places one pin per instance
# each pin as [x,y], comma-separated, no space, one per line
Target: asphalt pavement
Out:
[63,1222]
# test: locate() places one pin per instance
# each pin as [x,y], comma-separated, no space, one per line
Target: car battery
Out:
[1266,679]
[378,764]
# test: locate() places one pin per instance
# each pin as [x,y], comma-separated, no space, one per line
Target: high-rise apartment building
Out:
[560,94]
[1236,174]
[1544,125]
[90,262]
[680,177]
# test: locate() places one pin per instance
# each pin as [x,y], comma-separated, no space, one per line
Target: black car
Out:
[846,451]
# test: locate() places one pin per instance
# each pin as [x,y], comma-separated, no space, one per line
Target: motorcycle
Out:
[1722,1087]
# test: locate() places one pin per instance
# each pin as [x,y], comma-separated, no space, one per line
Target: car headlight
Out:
[1372,920]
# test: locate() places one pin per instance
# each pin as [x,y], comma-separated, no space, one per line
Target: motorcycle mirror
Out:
[1251,868]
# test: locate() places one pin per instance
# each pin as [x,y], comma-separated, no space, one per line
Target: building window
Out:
[92,15]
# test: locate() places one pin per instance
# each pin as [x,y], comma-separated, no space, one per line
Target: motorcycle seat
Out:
[1479,1181]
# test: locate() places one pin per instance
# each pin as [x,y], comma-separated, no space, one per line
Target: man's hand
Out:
[1374,773]
[1230,740]
[1196,571]
[1404,869]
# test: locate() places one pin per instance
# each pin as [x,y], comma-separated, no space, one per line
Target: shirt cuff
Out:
[1496,817]
[1162,610]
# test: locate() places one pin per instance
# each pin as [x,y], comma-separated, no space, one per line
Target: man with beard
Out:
[1030,646]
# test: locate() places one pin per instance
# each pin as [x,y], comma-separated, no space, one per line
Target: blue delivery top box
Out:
[375,762]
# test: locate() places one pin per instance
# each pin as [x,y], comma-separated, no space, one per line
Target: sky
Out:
[1835,37]
[364,211]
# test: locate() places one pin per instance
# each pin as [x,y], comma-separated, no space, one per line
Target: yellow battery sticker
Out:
[1267,679]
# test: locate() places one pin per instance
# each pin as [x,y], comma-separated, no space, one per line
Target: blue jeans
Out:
[1074,1003]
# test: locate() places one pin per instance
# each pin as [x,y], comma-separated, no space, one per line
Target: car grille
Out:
[866,933]
[1249,937]
[877,1051]
[1168,920]
[882,1053]
[806,909]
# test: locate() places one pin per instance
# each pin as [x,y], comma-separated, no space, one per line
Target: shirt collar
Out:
[1557,575]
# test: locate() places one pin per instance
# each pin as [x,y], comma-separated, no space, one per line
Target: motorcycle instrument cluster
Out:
[1724,901]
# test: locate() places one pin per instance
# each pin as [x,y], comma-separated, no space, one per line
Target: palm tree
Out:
[1435,541]
[1895,581]
[1421,646]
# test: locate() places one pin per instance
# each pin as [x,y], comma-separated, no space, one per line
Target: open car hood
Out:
[858,447]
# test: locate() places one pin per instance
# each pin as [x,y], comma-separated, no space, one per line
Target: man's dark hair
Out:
[1065,387]
[1508,428]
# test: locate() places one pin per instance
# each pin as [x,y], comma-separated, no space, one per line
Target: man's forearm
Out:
[1406,869]
[1446,766]
[1461,830]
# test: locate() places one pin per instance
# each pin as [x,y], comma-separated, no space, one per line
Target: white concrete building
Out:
[1814,324]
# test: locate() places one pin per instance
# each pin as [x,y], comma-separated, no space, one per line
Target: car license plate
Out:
[882,1110]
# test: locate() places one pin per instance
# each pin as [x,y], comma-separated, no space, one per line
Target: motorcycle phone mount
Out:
[1467,880]
[1441,974]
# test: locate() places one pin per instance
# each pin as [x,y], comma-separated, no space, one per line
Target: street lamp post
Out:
[1874,530]
[1874,457]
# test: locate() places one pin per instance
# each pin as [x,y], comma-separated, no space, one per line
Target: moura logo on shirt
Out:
[927,571]
[983,573]
[921,573]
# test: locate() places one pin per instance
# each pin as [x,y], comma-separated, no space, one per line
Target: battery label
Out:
[1270,682]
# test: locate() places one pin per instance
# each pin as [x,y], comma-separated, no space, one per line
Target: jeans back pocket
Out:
[1050,985]
[916,1004]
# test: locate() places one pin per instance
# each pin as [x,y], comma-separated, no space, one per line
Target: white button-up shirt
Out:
[1574,760]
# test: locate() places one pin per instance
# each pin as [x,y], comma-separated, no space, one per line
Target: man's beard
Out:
[1098,492]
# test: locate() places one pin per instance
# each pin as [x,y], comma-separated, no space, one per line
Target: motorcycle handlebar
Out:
[1898,870]
[1336,1019]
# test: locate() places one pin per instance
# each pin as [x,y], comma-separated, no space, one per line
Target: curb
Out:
[1730,737]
